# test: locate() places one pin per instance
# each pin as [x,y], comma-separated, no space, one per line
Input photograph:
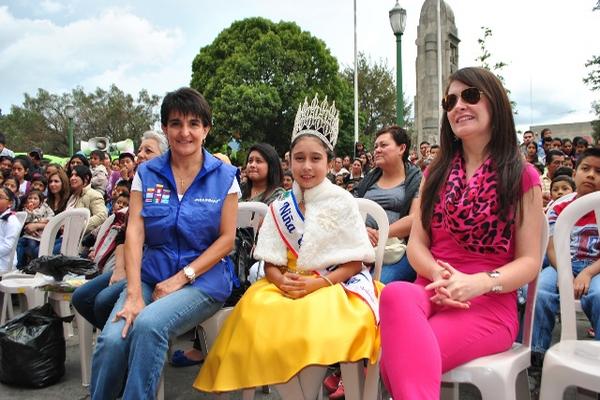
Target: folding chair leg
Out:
[248,394]
[522,388]
[85,333]
[353,376]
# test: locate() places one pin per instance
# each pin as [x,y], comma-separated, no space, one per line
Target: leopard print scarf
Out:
[468,210]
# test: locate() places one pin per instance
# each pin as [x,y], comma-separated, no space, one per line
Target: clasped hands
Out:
[453,288]
[296,286]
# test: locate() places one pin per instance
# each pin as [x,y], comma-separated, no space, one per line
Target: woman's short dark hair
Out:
[274,171]
[187,101]
[502,147]
[399,135]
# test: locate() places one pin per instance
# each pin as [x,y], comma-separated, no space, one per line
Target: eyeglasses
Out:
[470,95]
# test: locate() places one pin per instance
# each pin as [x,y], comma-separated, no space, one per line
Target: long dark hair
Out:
[62,197]
[502,147]
[274,173]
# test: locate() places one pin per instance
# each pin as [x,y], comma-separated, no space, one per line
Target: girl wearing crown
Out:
[314,243]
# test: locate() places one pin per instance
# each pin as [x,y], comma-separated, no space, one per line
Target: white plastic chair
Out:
[21,216]
[502,376]
[570,362]
[74,222]
[250,215]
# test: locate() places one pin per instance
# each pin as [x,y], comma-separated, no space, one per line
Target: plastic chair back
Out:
[369,207]
[21,216]
[562,240]
[74,221]
[250,214]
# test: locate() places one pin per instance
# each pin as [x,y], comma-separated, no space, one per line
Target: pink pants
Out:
[420,340]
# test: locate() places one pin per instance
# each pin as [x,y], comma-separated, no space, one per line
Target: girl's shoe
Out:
[332,382]
[339,392]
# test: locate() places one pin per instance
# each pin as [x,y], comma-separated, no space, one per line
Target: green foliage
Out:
[485,61]
[376,97]
[593,81]
[41,120]
[256,73]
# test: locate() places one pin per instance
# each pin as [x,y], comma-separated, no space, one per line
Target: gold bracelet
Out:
[326,279]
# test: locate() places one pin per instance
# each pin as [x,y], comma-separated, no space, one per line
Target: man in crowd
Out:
[554,160]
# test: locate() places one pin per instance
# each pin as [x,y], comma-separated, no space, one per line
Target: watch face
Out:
[494,274]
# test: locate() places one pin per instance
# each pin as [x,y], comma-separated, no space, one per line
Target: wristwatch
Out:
[189,273]
[495,275]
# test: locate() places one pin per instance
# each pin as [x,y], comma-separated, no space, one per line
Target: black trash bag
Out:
[58,266]
[242,259]
[32,348]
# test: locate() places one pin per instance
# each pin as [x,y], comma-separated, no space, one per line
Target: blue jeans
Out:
[95,300]
[138,359]
[28,249]
[400,271]
[547,305]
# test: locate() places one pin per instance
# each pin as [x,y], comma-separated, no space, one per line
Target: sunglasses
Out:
[470,95]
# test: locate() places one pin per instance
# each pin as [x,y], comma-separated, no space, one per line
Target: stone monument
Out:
[427,99]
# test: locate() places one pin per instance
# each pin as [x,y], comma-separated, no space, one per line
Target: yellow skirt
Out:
[269,338]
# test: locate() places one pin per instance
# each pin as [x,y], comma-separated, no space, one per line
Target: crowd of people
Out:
[461,219]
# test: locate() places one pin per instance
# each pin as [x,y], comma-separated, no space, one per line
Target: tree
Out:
[485,61]
[593,81]
[257,72]
[376,97]
[41,120]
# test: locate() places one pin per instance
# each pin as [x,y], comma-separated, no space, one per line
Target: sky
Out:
[143,44]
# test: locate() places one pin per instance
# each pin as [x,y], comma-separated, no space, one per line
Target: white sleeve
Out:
[235,188]
[136,184]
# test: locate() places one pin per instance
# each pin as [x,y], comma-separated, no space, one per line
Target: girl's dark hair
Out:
[11,196]
[37,193]
[24,160]
[502,148]
[330,153]
[187,101]
[81,157]
[532,143]
[564,178]
[99,153]
[399,135]
[274,171]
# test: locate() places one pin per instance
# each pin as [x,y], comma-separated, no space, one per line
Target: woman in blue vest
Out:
[182,219]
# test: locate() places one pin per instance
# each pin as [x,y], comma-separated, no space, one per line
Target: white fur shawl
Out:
[334,231]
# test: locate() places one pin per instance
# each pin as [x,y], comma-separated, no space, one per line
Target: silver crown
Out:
[319,120]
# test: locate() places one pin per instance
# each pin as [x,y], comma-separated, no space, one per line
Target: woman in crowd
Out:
[264,179]
[183,208]
[471,244]
[83,196]
[59,191]
[75,160]
[10,229]
[96,299]
[394,185]
[302,317]
[263,173]
[356,172]
[531,151]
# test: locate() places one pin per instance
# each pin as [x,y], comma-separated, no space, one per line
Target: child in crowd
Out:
[122,187]
[585,260]
[11,183]
[314,243]
[121,202]
[20,169]
[560,186]
[39,182]
[6,165]
[37,211]
[99,172]
[127,164]
[10,228]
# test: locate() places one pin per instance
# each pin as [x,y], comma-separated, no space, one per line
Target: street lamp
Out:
[398,22]
[70,111]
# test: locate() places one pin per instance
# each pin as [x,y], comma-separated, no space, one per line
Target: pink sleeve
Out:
[530,178]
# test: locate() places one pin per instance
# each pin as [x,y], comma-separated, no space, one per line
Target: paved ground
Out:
[178,381]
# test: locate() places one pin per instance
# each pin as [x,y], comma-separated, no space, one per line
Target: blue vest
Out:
[177,232]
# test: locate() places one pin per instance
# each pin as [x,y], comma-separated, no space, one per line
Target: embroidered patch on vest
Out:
[157,194]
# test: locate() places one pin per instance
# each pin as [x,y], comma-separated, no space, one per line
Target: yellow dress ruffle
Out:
[269,338]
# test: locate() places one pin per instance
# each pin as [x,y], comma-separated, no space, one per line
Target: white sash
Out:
[289,222]
[290,225]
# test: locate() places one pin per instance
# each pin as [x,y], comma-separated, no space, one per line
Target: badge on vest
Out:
[157,194]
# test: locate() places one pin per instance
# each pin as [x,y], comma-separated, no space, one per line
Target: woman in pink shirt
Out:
[471,245]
